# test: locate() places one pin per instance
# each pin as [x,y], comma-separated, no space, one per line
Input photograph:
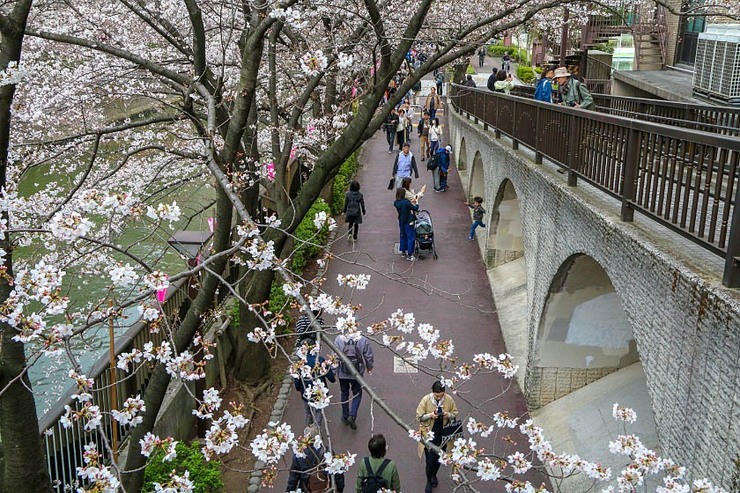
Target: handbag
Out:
[391,184]
[452,431]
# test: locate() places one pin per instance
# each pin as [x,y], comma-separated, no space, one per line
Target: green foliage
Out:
[206,476]
[607,47]
[346,172]
[518,55]
[470,70]
[525,74]
[308,241]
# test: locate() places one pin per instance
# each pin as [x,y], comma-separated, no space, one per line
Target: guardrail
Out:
[64,446]
[684,180]
[723,120]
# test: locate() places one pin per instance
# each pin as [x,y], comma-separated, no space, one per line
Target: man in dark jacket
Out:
[391,122]
[303,468]
[492,79]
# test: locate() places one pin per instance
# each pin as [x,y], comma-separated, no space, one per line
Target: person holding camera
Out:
[434,412]
[571,91]
[504,82]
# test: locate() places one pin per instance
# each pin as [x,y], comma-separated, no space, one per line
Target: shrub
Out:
[470,70]
[308,240]
[205,475]
[346,172]
[525,74]
[518,55]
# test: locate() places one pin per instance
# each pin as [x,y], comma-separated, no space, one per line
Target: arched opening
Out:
[477,178]
[584,333]
[462,157]
[505,241]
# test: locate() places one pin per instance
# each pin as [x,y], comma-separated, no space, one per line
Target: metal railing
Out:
[64,446]
[684,180]
[723,120]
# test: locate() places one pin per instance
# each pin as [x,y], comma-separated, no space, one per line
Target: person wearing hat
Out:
[572,92]
[439,173]
[404,164]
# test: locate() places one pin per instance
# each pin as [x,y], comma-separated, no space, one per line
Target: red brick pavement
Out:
[452,293]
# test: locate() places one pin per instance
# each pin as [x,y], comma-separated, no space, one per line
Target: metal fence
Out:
[684,179]
[724,120]
[64,446]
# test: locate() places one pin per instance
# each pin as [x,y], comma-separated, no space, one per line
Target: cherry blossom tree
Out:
[125,104]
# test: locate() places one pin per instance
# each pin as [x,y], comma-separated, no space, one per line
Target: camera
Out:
[572,104]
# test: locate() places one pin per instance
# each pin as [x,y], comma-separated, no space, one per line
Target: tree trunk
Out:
[252,361]
[23,468]
[183,336]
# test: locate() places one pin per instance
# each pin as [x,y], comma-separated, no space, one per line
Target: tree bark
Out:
[24,468]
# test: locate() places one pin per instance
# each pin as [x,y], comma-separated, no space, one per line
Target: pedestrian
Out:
[572,92]
[543,91]
[469,82]
[432,103]
[315,370]
[407,236]
[440,171]
[360,354]
[404,165]
[439,79]
[434,412]
[354,209]
[391,122]
[481,56]
[423,131]
[409,119]
[492,79]
[435,136]
[410,193]
[478,212]
[504,82]
[401,129]
[307,473]
[304,330]
[376,472]
[506,62]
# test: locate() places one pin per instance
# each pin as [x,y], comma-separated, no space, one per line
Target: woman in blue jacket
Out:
[406,223]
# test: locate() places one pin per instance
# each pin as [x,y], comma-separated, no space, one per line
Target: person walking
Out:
[481,56]
[432,103]
[423,131]
[407,236]
[506,62]
[307,473]
[572,92]
[478,212]
[434,412]
[404,165]
[401,129]
[439,79]
[304,330]
[354,209]
[317,371]
[360,353]
[435,136]
[409,110]
[377,472]
[391,122]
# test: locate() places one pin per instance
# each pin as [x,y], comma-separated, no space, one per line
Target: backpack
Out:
[433,162]
[351,351]
[374,481]
[318,481]
[353,207]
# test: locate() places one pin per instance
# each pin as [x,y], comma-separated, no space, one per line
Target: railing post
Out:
[731,275]
[574,141]
[537,136]
[514,142]
[629,175]
[485,111]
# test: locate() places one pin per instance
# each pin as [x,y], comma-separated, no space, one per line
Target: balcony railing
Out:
[685,180]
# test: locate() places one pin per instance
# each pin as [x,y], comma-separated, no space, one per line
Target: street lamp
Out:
[189,243]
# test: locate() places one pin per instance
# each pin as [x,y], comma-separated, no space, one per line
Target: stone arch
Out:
[584,333]
[477,184]
[462,156]
[505,242]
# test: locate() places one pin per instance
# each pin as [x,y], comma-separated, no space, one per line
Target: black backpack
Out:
[433,162]
[374,481]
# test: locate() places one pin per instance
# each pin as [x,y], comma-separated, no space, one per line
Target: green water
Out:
[49,377]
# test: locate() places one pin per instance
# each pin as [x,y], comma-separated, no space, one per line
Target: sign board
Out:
[401,366]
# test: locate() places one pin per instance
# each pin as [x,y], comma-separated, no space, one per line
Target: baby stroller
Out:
[424,234]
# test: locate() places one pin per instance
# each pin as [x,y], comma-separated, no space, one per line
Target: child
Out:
[478,212]
[354,209]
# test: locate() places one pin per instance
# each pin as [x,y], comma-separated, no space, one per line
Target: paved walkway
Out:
[452,293]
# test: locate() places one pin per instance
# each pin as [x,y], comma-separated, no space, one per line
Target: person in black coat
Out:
[492,79]
[302,468]
[354,209]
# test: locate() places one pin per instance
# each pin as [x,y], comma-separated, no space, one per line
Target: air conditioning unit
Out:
[717,66]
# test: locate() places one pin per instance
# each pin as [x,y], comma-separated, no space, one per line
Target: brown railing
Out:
[685,180]
[724,120]
[64,446]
